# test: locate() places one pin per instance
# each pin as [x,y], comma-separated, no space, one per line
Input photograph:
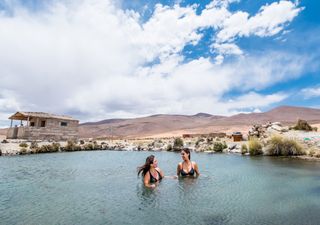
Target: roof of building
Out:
[25,115]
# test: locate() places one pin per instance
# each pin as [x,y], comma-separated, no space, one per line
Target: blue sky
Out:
[99,59]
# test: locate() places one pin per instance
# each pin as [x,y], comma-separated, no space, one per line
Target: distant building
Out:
[43,126]
[211,135]
[237,136]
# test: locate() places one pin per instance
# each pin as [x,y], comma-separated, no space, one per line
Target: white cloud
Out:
[311,92]
[227,49]
[269,21]
[197,86]
[93,60]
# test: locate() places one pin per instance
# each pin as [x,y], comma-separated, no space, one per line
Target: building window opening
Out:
[31,124]
[64,124]
[43,123]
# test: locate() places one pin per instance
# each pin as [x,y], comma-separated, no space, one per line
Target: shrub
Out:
[177,144]
[292,147]
[302,125]
[34,145]
[48,148]
[209,140]
[56,146]
[279,146]
[169,147]
[23,151]
[225,145]
[199,141]
[312,152]
[97,147]
[81,142]
[88,146]
[218,147]
[23,145]
[274,145]
[244,149]
[71,146]
[255,147]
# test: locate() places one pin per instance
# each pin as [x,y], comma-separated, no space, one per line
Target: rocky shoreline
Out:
[260,140]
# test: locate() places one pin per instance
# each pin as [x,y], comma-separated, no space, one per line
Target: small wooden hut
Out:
[237,136]
[43,126]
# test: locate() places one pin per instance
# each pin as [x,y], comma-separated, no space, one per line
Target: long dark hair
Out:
[146,167]
[186,150]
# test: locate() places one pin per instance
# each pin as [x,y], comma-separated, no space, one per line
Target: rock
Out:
[232,146]
[277,124]
[279,128]
[236,150]
[276,127]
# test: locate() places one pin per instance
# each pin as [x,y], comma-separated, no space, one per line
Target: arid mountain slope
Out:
[166,125]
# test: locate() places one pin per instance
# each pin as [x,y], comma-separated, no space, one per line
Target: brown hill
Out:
[171,125]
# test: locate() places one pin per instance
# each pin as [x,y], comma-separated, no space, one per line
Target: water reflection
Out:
[187,183]
[149,197]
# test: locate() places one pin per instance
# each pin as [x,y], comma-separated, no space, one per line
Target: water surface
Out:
[102,188]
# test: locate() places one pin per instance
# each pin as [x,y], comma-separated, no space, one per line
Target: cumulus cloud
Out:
[94,60]
[311,92]
[269,21]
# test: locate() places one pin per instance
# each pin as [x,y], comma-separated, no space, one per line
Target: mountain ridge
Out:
[166,124]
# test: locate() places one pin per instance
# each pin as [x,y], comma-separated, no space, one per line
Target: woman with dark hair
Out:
[150,171]
[187,168]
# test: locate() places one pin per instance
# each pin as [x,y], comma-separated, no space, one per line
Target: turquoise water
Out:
[102,188]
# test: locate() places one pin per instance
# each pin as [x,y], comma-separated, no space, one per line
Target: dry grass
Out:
[280,146]
[255,147]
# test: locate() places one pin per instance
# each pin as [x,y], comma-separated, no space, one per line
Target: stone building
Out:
[43,126]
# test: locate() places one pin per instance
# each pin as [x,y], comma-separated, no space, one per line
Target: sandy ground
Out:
[13,148]
[212,129]
[9,148]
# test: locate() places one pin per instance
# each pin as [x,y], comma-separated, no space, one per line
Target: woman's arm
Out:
[178,169]
[146,181]
[163,176]
[196,169]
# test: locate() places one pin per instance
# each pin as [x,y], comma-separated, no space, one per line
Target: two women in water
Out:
[152,173]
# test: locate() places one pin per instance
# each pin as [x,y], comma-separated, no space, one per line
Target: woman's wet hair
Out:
[146,167]
[186,150]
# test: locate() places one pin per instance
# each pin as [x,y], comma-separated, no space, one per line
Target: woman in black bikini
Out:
[150,171]
[187,168]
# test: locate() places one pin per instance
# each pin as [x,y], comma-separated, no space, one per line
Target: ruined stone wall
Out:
[53,130]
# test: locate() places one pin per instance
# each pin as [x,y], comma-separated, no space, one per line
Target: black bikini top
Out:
[190,173]
[153,179]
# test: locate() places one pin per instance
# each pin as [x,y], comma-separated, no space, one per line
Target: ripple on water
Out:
[216,219]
